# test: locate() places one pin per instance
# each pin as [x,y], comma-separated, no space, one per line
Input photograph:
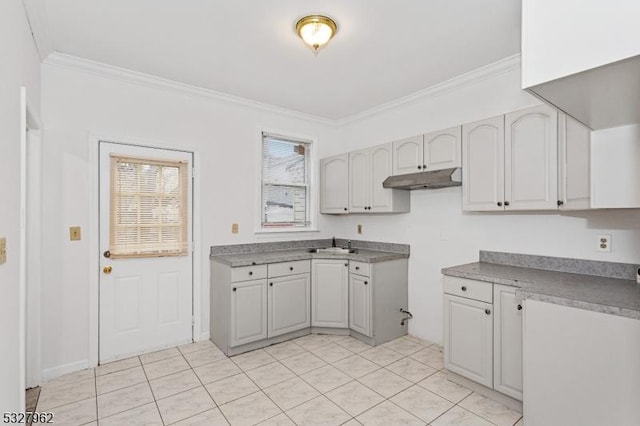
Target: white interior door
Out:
[146,261]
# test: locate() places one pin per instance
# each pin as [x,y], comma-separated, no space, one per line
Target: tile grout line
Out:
[152,394]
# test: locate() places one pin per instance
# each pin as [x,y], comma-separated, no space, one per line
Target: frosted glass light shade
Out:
[316,30]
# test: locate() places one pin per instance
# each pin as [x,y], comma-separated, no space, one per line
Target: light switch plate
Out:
[3,250]
[234,228]
[359,229]
[75,233]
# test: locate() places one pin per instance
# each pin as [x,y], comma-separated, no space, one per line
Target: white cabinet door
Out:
[289,304]
[330,293]
[574,164]
[442,149]
[507,341]
[360,304]
[248,312]
[408,156]
[468,338]
[381,158]
[531,159]
[483,165]
[359,181]
[334,184]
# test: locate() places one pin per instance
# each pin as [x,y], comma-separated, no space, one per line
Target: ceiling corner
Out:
[37,17]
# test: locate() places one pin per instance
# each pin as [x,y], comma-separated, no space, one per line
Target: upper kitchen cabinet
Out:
[407,155]
[584,57]
[334,184]
[432,151]
[574,164]
[483,165]
[368,168]
[510,162]
[530,159]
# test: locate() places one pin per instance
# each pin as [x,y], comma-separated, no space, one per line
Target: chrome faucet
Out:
[333,242]
[349,244]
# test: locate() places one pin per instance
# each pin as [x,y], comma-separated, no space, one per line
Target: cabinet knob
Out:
[345,209]
[506,203]
[270,284]
[346,264]
[291,268]
[357,268]
[234,289]
[366,282]
[519,307]
[464,288]
[424,167]
[499,203]
[250,272]
[560,202]
[419,167]
[487,311]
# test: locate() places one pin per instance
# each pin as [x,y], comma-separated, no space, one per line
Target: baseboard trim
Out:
[60,370]
[204,336]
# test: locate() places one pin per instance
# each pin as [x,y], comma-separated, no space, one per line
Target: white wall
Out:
[441,235]
[20,67]
[226,135]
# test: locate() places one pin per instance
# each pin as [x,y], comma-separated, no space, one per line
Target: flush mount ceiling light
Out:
[316,30]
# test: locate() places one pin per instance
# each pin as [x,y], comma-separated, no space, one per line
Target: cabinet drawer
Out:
[289,268]
[245,273]
[359,268]
[477,290]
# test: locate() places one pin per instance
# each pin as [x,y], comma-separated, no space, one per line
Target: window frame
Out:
[310,185]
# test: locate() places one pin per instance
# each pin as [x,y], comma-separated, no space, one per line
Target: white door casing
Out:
[146,303]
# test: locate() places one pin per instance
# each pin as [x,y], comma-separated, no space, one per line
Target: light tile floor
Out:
[313,380]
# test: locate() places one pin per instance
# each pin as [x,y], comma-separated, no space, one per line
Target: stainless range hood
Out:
[426,180]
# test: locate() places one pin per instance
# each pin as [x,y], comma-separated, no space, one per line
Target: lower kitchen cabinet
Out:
[330,293]
[360,304]
[468,338]
[507,341]
[288,304]
[248,320]
[483,334]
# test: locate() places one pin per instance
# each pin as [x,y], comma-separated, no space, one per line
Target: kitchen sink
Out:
[333,250]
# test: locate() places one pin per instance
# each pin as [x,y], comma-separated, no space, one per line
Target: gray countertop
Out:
[246,259]
[601,294]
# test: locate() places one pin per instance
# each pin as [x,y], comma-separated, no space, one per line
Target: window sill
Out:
[284,231]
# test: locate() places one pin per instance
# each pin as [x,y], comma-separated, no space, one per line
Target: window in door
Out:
[285,183]
[148,208]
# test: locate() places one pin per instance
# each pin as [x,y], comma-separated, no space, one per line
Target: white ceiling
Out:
[384,49]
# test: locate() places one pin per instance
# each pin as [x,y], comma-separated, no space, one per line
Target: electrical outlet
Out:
[604,243]
[359,229]
[75,233]
[3,250]
[234,228]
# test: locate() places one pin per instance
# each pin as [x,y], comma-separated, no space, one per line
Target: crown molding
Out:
[472,77]
[37,18]
[64,60]
[147,80]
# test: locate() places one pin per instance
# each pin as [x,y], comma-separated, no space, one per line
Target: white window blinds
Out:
[148,216]
[285,182]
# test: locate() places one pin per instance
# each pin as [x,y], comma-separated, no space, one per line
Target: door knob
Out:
[107,269]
